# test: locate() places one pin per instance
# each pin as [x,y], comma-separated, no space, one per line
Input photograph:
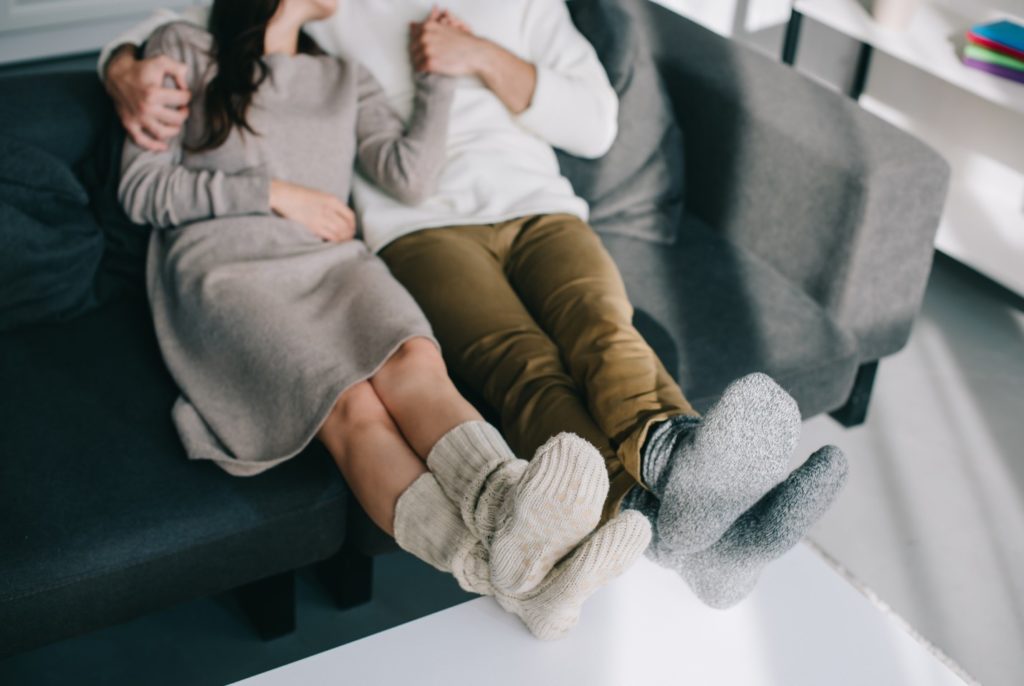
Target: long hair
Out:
[238,28]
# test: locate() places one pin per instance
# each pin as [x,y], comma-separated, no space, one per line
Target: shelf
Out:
[933,43]
[986,234]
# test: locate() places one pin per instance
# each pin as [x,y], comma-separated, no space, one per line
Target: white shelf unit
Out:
[933,43]
[981,227]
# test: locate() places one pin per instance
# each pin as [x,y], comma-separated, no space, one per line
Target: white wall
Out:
[34,29]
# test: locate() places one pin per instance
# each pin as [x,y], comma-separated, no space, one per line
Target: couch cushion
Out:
[637,188]
[50,245]
[714,312]
[102,516]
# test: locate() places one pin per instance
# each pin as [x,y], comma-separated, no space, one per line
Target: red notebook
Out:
[992,45]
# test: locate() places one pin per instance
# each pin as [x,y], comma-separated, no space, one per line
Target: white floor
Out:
[932,517]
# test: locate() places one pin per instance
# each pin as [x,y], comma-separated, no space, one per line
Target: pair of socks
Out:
[521,531]
[720,503]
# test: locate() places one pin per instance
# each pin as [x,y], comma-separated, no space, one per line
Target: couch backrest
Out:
[62,113]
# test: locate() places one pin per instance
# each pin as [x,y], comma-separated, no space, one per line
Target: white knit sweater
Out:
[498,165]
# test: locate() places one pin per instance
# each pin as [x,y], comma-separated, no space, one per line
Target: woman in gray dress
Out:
[279,326]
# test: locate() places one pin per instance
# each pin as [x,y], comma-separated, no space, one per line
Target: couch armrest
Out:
[842,203]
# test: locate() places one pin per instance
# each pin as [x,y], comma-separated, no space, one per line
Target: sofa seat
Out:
[113,516]
[714,311]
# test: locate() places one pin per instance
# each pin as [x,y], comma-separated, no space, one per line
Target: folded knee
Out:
[415,357]
[357,408]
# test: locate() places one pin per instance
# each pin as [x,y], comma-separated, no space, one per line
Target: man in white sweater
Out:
[528,306]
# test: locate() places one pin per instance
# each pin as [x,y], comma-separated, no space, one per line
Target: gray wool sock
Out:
[720,467]
[726,572]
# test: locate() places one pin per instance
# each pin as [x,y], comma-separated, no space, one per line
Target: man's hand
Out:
[151,113]
[444,44]
[449,19]
[325,215]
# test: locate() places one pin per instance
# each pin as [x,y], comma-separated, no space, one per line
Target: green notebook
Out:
[992,57]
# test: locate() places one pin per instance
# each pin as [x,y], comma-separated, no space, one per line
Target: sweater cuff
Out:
[247,192]
[543,107]
[434,85]
[570,115]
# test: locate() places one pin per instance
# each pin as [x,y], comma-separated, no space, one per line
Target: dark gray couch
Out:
[804,254]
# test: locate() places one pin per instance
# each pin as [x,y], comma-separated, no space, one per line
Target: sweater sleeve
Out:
[403,160]
[155,187]
[574,107]
[139,33]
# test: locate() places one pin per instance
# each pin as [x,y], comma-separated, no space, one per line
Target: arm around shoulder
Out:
[156,188]
[138,34]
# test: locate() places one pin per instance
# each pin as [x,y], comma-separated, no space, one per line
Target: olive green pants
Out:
[532,315]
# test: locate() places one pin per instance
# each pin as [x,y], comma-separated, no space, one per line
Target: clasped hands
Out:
[443,44]
[440,44]
[153,113]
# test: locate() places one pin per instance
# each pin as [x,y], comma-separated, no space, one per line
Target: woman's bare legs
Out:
[415,388]
[413,391]
[371,452]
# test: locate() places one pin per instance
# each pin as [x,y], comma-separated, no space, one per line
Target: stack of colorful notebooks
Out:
[997,48]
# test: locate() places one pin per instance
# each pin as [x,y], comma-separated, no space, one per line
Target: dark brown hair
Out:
[238,28]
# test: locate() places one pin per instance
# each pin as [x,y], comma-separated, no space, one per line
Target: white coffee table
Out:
[804,624]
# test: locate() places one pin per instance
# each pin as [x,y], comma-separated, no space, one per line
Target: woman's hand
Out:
[325,215]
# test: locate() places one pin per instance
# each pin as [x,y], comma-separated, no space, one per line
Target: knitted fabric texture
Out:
[553,607]
[723,465]
[660,447]
[428,525]
[528,515]
[727,571]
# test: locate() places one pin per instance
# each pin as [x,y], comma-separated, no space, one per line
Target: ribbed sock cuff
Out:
[428,525]
[463,460]
[659,447]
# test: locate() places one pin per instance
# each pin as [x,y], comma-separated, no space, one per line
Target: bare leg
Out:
[369,449]
[416,390]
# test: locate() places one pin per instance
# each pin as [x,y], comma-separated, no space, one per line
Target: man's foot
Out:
[706,473]
[727,571]
[553,608]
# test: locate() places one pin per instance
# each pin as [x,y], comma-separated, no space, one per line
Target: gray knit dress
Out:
[261,323]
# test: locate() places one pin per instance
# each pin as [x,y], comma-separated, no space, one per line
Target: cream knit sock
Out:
[428,526]
[553,608]
[528,514]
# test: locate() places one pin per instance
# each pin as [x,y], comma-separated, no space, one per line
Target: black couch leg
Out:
[270,604]
[855,411]
[348,577]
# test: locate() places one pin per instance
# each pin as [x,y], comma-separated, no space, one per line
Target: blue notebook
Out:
[1004,32]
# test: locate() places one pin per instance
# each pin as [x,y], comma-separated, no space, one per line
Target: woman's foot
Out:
[528,514]
[706,473]
[554,505]
[429,526]
[553,607]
